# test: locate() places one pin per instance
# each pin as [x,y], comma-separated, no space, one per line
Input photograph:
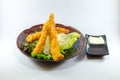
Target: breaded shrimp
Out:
[54,46]
[36,36]
[33,36]
[41,42]
[61,30]
[49,29]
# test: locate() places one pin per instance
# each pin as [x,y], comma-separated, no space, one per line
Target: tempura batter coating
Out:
[49,30]
[41,42]
[54,46]
[33,36]
[36,35]
[61,30]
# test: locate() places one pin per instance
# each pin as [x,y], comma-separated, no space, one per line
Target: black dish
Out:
[96,49]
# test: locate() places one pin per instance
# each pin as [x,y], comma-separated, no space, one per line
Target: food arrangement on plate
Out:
[51,41]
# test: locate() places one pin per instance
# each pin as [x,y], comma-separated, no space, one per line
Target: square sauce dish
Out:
[96,45]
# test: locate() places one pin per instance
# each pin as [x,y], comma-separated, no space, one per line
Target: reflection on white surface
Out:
[89,16]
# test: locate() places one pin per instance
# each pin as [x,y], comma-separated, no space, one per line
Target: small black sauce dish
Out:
[96,45]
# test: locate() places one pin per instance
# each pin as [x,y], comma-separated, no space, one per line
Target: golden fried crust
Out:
[61,30]
[35,36]
[49,29]
[54,46]
[41,42]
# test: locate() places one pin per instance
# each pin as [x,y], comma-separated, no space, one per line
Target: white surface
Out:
[89,16]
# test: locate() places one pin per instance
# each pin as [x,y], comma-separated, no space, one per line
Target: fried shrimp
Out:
[54,46]
[35,36]
[41,42]
[47,30]
[61,30]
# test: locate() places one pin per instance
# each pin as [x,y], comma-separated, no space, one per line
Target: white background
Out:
[94,17]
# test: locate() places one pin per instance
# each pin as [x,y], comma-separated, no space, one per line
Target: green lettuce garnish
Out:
[66,41]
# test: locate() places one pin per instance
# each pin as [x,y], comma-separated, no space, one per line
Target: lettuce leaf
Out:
[66,41]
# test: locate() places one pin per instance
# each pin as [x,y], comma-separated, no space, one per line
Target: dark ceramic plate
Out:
[97,49]
[79,45]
